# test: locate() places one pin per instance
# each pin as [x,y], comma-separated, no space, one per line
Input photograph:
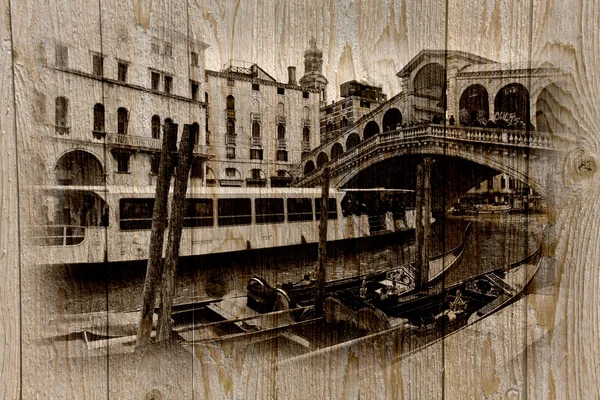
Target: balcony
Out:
[98,135]
[255,141]
[281,144]
[62,130]
[305,145]
[255,116]
[230,139]
[230,113]
[133,142]
[280,119]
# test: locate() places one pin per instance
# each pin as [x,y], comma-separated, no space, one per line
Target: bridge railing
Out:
[533,139]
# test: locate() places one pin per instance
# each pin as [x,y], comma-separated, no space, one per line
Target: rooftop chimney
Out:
[291,75]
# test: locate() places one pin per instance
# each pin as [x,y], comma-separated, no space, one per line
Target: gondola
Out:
[263,297]
[439,308]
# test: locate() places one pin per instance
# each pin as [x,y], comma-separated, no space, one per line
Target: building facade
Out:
[257,128]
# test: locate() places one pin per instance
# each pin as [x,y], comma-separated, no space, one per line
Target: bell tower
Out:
[313,70]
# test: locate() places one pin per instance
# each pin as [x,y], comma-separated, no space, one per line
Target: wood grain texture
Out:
[10,327]
[546,346]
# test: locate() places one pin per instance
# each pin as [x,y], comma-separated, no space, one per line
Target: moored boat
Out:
[264,297]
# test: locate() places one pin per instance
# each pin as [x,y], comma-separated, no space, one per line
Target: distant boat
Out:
[489,209]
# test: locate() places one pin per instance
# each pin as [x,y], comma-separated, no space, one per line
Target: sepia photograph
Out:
[300,199]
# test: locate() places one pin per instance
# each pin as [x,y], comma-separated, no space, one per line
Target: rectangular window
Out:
[305,95]
[62,56]
[269,211]
[194,57]
[234,212]
[168,49]
[280,90]
[154,164]
[168,84]
[199,212]
[299,210]
[331,210]
[256,154]
[282,155]
[135,214]
[256,86]
[122,71]
[155,47]
[230,82]
[195,87]
[230,152]
[98,64]
[155,80]
[122,162]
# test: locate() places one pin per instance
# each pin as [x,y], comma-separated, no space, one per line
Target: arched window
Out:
[61,115]
[99,117]
[344,122]
[256,129]
[306,113]
[280,109]
[511,106]
[280,131]
[155,127]
[195,133]
[306,134]
[329,128]
[122,120]
[230,102]
[255,106]
[474,106]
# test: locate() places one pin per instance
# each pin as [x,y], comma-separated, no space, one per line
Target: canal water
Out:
[495,241]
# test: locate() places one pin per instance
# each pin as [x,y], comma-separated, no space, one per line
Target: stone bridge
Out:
[463,157]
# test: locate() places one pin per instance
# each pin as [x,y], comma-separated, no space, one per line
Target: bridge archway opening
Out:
[474,106]
[352,141]
[391,119]
[550,105]
[336,151]
[79,168]
[512,101]
[451,179]
[309,167]
[430,82]
[322,159]
[371,129]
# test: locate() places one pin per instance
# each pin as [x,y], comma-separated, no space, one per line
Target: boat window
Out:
[234,212]
[199,212]
[269,211]
[135,213]
[331,210]
[299,210]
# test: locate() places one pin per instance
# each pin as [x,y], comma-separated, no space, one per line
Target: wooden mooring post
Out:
[157,235]
[423,222]
[322,255]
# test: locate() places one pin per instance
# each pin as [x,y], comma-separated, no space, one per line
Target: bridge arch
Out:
[336,150]
[391,119]
[474,105]
[430,81]
[511,165]
[512,99]
[309,167]
[322,159]
[371,129]
[352,141]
